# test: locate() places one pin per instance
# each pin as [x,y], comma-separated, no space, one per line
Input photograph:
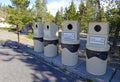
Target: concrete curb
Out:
[79,70]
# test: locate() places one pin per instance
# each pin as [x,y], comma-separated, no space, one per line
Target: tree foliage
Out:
[113,15]
[38,7]
[81,16]
[49,17]
[103,16]
[88,11]
[59,17]
[71,12]
[42,15]
[18,13]
[94,11]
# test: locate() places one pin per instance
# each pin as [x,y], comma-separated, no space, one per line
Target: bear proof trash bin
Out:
[50,39]
[97,48]
[70,42]
[38,36]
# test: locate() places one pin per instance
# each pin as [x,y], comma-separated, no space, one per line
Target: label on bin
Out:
[69,35]
[97,40]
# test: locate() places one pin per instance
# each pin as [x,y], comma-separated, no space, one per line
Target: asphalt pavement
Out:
[18,66]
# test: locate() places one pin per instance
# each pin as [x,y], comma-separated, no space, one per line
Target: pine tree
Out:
[113,15]
[103,17]
[89,11]
[38,6]
[19,14]
[45,18]
[81,17]
[61,14]
[59,17]
[66,14]
[49,17]
[97,10]
[71,13]
[41,12]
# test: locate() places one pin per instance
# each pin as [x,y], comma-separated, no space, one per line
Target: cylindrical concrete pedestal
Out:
[50,48]
[38,44]
[69,54]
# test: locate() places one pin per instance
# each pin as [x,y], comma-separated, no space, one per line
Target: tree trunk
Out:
[99,11]
[18,35]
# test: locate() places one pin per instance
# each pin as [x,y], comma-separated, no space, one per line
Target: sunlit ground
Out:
[5,35]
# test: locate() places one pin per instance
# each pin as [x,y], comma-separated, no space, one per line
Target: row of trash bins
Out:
[97,47]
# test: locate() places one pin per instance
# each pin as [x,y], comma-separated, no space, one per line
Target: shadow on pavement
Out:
[43,72]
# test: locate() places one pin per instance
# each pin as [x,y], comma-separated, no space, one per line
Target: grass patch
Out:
[88,80]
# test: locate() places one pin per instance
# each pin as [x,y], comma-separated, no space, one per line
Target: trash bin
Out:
[38,36]
[97,48]
[70,42]
[50,39]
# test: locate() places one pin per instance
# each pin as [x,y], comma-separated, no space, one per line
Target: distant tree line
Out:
[91,11]
[20,14]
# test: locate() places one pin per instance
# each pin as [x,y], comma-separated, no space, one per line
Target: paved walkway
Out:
[17,66]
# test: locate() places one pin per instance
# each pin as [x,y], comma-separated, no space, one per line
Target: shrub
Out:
[30,34]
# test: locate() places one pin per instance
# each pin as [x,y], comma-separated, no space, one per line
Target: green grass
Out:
[88,80]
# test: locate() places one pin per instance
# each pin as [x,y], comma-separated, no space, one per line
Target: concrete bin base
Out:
[50,50]
[50,47]
[96,66]
[96,62]
[38,46]
[68,58]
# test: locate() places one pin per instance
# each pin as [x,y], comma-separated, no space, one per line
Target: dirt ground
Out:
[5,35]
